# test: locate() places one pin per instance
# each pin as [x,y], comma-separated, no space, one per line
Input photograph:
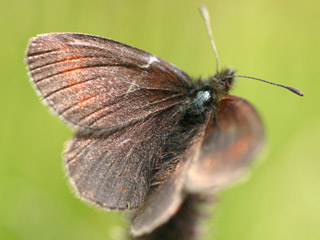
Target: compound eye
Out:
[225,83]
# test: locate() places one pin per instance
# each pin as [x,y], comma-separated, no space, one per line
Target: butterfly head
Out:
[222,81]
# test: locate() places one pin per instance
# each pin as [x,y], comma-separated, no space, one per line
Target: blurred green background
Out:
[278,40]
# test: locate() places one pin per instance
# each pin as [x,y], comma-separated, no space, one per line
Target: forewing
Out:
[114,171]
[98,83]
[232,138]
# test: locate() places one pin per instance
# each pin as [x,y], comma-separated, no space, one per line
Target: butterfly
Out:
[146,134]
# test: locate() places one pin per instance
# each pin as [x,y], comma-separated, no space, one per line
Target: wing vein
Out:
[69,86]
[103,107]
[69,60]
[35,54]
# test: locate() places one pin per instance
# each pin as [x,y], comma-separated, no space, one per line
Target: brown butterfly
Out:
[147,134]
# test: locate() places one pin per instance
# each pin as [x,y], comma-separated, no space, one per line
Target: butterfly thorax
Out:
[207,93]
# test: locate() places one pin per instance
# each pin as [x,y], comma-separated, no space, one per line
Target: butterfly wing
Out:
[219,155]
[100,84]
[166,201]
[123,101]
[232,138]
[115,171]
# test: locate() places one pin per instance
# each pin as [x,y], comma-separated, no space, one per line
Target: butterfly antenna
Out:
[292,89]
[206,18]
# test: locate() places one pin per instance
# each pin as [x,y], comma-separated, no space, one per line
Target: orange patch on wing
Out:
[72,71]
[86,100]
[71,64]
[240,147]
[123,190]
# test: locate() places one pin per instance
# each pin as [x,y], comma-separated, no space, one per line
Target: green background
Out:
[278,40]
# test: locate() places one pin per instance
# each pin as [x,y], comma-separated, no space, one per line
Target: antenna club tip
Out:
[296,91]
